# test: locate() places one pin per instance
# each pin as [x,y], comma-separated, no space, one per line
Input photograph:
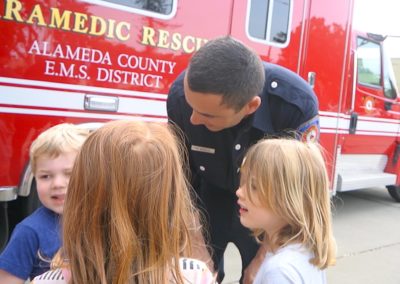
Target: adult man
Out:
[225,101]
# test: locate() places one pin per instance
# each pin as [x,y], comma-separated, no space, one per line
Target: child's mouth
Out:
[242,209]
[58,198]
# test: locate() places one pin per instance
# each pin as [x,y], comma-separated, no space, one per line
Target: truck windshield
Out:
[389,79]
[369,62]
[375,67]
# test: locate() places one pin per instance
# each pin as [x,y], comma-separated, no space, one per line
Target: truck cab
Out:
[368,154]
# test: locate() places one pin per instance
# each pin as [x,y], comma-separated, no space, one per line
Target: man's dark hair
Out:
[224,66]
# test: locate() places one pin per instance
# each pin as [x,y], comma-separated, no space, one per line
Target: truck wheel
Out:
[394,192]
[3,225]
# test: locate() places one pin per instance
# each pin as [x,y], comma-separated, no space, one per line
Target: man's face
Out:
[52,178]
[208,110]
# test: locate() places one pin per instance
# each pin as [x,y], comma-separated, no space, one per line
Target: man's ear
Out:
[253,104]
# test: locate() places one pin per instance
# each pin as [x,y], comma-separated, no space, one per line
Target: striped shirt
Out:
[193,271]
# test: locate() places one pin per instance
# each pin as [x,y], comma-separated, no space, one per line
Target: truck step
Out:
[351,181]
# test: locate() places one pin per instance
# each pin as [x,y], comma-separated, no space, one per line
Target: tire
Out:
[4,226]
[394,192]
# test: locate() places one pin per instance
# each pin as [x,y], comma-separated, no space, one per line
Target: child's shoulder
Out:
[40,217]
[196,271]
[42,224]
[191,264]
[290,254]
[56,276]
[290,262]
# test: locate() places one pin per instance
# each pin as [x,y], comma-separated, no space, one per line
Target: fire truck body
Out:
[91,61]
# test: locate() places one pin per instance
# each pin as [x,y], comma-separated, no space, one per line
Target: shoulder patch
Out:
[309,130]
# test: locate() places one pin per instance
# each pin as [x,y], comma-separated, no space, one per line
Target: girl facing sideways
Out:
[284,199]
[128,214]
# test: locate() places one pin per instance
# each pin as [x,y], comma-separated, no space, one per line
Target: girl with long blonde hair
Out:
[284,199]
[128,215]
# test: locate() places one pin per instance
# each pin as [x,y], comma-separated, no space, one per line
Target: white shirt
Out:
[290,265]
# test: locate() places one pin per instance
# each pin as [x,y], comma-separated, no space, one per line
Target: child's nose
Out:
[239,192]
[60,181]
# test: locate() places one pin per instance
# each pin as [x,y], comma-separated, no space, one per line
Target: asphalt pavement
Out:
[367,230]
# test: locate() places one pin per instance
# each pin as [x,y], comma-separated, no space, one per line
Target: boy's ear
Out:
[253,104]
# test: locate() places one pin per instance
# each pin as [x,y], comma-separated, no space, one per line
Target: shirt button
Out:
[237,147]
[202,168]
[274,84]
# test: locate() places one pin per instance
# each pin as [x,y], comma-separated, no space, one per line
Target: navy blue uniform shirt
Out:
[287,104]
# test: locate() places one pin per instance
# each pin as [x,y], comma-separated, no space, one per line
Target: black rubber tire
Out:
[394,192]
[4,226]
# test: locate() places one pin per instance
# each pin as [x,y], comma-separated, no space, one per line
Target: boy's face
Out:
[52,178]
[254,215]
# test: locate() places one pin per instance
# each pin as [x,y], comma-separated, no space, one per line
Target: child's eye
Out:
[44,177]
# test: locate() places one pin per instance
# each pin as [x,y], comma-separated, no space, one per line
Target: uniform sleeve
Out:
[309,131]
[302,123]
[20,253]
[174,111]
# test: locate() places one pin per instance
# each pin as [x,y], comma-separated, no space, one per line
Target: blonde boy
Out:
[36,239]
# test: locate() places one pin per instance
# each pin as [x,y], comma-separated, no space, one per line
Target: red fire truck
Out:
[90,61]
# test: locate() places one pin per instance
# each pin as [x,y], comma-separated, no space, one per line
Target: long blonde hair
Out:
[291,180]
[128,213]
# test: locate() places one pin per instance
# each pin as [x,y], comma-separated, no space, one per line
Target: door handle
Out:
[353,123]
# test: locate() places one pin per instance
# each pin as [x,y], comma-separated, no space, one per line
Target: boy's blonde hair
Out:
[290,179]
[59,139]
[128,214]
